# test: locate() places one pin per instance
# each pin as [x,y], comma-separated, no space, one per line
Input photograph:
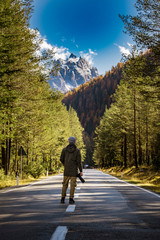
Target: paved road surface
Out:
[105,208]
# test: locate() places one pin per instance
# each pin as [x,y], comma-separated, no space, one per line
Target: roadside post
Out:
[21,153]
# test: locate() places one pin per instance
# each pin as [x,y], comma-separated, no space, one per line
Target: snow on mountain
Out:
[73,72]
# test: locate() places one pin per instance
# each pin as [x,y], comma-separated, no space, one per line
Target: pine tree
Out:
[15,52]
[144,28]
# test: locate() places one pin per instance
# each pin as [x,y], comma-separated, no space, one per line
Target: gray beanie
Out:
[71,139]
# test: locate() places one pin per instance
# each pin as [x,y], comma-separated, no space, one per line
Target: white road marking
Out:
[60,233]
[145,190]
[14,189]
[32,184]
[78,188]
[76,195]
[71,208]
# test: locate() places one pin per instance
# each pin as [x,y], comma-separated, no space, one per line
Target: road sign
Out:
[21,152]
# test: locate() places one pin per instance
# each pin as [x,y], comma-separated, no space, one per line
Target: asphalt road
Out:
[105,208]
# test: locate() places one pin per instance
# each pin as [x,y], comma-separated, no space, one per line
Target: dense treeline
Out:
[129,132]
[89,100]
[31,114]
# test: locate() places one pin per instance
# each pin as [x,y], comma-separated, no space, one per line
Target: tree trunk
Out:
[147,152]
[3,157]
[125,150]
[122,154]
[16,157]
[27,152]
[140,148]
[135,133]
[8,154]
[50,162]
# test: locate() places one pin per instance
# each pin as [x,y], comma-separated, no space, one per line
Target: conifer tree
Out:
[32,114]
[16,60]
[145,27]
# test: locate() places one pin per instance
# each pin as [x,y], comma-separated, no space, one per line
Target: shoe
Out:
[71,201]
[63,200]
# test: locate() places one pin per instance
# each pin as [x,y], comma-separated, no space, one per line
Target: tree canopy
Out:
[129,132]
[31,113]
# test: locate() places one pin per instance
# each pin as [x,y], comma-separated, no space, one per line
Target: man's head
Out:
[72,140]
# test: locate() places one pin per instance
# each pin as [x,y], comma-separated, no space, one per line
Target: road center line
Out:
[71,208]
[60,233]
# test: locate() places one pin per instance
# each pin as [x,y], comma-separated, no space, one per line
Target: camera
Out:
[81,179]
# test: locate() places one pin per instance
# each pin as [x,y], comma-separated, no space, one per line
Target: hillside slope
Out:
[91,98]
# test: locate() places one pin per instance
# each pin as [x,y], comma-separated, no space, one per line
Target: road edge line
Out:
[133,185]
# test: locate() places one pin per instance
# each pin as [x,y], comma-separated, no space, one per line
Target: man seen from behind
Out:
[71,159]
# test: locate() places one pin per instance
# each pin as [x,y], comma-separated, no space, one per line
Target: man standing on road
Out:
[71,159]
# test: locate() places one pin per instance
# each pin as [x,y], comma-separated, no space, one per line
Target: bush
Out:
[34,170]
[2,175]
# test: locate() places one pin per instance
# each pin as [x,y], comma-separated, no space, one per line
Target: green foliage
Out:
[35,170]
[129,130]
[2,175]
[144,27]
[32,114]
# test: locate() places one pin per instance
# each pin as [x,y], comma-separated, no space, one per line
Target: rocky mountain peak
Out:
[72,56]
[73,72]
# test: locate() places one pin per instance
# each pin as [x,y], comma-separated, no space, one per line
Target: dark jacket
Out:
[71,159]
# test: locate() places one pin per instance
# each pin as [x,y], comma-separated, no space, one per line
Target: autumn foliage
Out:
[90,99]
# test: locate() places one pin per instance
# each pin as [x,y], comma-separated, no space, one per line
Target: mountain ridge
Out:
[73,72]
[90,99]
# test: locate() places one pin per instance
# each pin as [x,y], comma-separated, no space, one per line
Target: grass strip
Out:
[145,177]
[10,181]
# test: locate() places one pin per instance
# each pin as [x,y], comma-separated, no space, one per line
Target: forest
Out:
[32,115]
[123,106]
[117,113]
[129,131]
[91,98]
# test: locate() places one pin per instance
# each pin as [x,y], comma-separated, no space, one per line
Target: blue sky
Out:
[88,28]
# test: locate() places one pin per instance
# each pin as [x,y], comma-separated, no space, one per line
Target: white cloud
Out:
[92,52]
[88,56]
[123,50]
[130,45]
[45,45]
[61,52]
